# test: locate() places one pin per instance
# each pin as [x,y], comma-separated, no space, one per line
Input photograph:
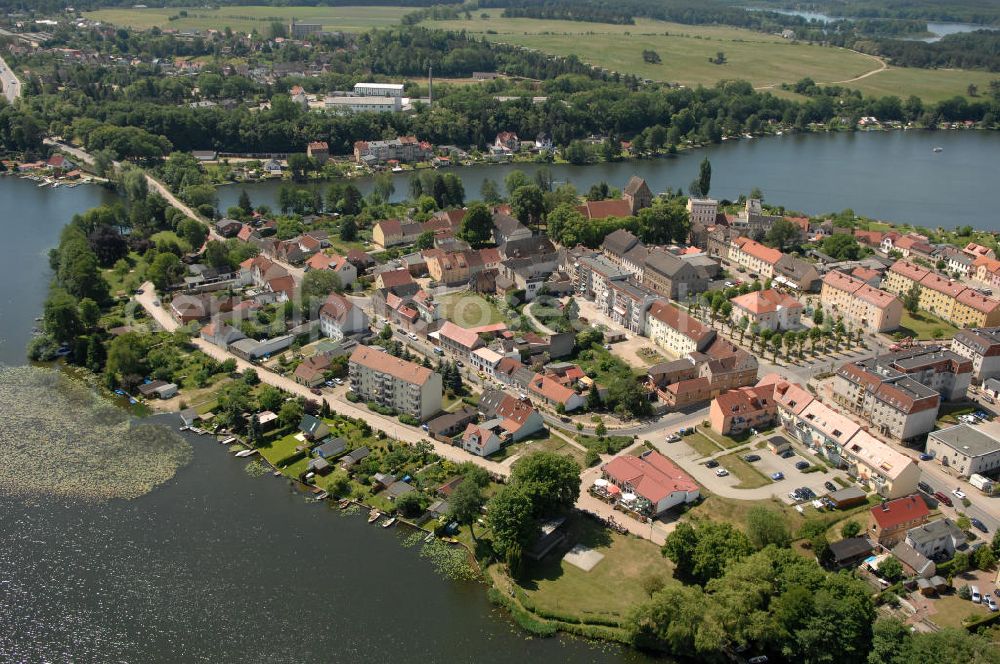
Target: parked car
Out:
[751,458]
[958,493]
[988,399]
[990,603]
[673,438]
[926,457]
[830,486]
[139,291]
[777,476]
[801,465]
[711,463]
[317,391]
[979,525]
[806,493]
[976,596]
[982,414]
[943,498]
[925,487]
[721,472]
[787,454]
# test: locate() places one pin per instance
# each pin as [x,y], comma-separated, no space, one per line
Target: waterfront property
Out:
[394,383]
[650,484]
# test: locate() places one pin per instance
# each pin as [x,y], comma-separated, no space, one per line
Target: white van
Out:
[976,597]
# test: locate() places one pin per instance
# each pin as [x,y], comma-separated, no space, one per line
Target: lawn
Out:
[763,59]
[549,443]
[350,19]
[925,325]
[727,442]
[701,443]
[749,477]
[610,590]
[734,511]
[469,310]
[950,610]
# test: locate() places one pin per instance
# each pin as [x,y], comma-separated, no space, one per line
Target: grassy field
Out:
[764,60]
[347,19]
[925,325]
[469,310]
[702,444]
[749,477]
[610,589]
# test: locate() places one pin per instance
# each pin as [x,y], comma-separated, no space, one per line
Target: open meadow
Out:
[346,19]
[685,50]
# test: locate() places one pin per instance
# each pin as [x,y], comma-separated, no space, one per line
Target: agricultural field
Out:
[766,61]
[346,19]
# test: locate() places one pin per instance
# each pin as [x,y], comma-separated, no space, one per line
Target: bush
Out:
[353,398]
[592,458]
[964,592]
[406,418]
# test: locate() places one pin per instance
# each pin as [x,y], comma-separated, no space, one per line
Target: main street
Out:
[10,83]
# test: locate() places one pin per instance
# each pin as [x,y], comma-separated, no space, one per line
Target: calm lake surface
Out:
[936,28]
[217,566]
[890,175]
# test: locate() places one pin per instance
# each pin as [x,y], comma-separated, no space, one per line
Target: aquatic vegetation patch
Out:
[59,438]
[257,468]
[450,561]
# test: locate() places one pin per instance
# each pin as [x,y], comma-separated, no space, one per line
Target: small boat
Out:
[229,441]
[344,504]
[429,537]
[276,473]
[388,524]
[245,453]
[322,495]
[374,516]
[183,428]
[939,149]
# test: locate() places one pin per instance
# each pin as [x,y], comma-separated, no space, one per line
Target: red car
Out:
[942,498]
[316,391]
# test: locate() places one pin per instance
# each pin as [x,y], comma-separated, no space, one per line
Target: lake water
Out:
[894,175]
[30,221]
[936,28]
[216,566]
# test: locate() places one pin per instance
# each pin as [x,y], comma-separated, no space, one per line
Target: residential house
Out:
[617,244]
[391,232]
[395,383]
[518,417]
[311,371]
[612,207]
[313,428]
[402,149]
[938,539]
[339,317]
[978,251]
[657,483]
[736,411]
[459,340]
[507,228]
[318,151]
[507,141]
[354,457]
[393,278]
[220,334]
[448,425]
[796,273]
[480,439]
[862,306]
[550,392]
[890,521]
[769,310]
[486,361]
[670,328]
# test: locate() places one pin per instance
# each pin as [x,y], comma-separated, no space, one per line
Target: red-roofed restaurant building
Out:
[656,482]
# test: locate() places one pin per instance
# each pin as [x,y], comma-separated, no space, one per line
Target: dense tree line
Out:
[970,50]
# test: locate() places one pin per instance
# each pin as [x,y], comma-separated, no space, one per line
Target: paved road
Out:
[9,82]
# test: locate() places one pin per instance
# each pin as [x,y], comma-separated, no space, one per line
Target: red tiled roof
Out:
[390,227]
[614,207]
[319,262]
[653,476]
[760,302]
[758,250]
[949,287]
[875,296]
[459,335]
[680,321]
[550,389]
[398,277]
[977,301]
[909,270]
[900,511]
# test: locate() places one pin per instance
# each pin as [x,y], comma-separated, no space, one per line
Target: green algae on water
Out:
[59,438]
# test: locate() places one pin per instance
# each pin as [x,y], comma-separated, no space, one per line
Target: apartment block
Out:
[982,347]
[871,309]
[395,383]
[895,404]
[670,328]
